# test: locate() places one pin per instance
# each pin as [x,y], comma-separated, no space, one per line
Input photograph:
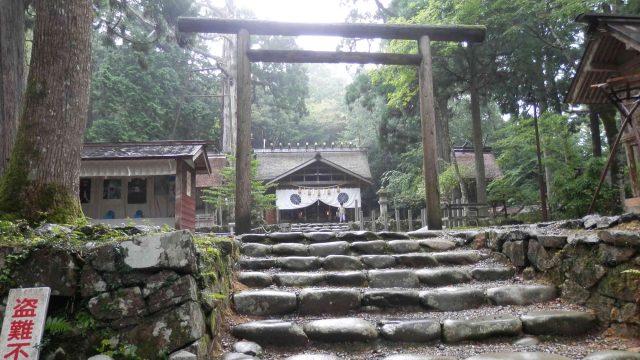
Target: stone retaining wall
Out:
[594,261]
[151,295]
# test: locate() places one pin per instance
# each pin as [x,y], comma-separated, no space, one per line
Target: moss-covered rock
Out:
[620,285]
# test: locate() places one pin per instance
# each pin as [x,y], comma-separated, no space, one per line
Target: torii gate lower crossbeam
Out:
[424,34]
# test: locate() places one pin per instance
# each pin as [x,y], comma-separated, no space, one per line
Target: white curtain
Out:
[297,199]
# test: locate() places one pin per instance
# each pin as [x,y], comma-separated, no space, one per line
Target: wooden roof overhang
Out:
[612,50]
[192,152]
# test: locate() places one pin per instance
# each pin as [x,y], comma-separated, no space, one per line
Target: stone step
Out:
[281,332]
[315,301]
[346,262]
[599,355]
[350,236]
[410,278]
[371,247]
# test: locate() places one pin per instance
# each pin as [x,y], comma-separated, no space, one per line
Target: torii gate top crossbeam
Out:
[456,33]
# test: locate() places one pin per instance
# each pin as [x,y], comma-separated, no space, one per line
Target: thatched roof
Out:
[612,50]
[274,164]
[466,161]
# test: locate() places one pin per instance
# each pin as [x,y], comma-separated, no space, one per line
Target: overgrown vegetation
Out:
[262,195]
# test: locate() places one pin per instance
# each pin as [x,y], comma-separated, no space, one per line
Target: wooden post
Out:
[428,120]
[361,217]
[397,213]
[243,138]
[373,220]
[423,217]
[410,219]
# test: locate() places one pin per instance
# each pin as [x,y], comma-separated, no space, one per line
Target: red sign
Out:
[24,323]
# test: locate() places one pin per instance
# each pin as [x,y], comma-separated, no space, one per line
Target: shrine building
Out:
[313,182]
[150,183]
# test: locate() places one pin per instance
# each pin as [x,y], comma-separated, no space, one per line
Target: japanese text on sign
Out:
[24,323]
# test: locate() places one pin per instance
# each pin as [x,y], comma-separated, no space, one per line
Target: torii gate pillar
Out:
[429,139]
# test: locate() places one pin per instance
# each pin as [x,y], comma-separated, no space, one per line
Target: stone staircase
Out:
[319,227]
[396,296]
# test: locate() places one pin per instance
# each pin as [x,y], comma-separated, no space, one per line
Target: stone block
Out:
[255,279]
[611,256]
[620,237]
[437,244]
[480,328]
[347,278]
[369,247]
[390,298]
[443,277]
[341,330]
[403,246]
[393,278]
[182,290]
[552,241]
[124,303]
[51,267]
[290,249]
[329,248]
[173,250]
[416,260]
[411,331]
[329,301]
[255,250]
[91,283]
[299,263]
[563,323]
[539,257]
[521,294]
[342,263]
[493,273]
[167,332]
[516,251]
[316,237]
[265,302]
[378,261]
[275,332]
[298,279]
[453,299]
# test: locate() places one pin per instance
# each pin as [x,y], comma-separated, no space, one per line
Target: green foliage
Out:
[406,185]
[260,196]
[165,99]
[55,325]
[120,351]
[574,189]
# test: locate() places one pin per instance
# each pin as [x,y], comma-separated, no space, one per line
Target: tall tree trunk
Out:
[594,126]
[444,140]
[230,98]
[476,120]
[42,178]
[11,74]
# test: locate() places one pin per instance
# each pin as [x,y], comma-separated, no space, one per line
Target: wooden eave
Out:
[611,51]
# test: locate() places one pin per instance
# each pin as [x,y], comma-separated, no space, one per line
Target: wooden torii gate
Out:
[423,34]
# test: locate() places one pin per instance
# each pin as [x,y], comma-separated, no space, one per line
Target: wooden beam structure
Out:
[429,137]
[424,34]
[456,33]
[243,139]
[331,57]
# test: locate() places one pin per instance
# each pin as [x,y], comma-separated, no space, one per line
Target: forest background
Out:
[150,83]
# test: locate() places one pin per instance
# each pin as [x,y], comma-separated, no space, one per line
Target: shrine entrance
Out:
[423,34]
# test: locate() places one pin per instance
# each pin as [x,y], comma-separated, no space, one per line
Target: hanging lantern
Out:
[299,191]
[338,188]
